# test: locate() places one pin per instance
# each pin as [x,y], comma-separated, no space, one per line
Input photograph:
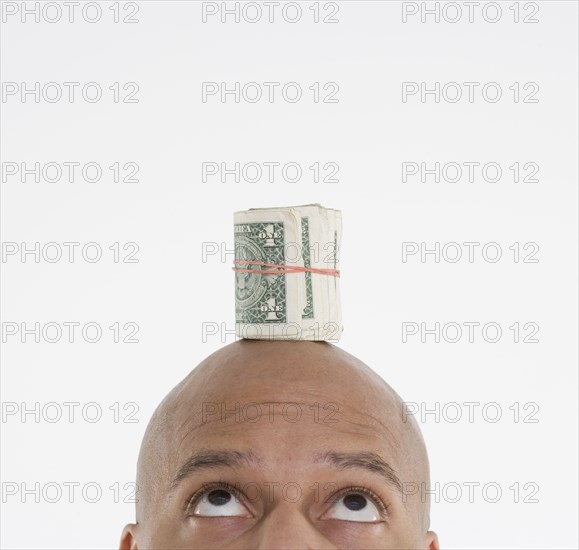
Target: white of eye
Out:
[354,507]
[220,502]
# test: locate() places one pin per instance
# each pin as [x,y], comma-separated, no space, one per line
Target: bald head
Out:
[267,443]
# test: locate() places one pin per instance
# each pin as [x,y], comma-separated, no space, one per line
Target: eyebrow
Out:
[214,459]
[364,460]
[209,459]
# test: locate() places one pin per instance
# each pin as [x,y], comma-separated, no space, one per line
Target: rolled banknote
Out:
[287,278]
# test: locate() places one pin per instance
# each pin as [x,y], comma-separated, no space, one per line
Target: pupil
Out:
[219,497]
[355,502]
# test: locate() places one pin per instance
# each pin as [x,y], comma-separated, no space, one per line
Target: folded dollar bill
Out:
[287,284]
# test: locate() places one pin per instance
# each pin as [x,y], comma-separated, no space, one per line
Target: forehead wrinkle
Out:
[388,436]
[230,414]
[190,427]
[268,413]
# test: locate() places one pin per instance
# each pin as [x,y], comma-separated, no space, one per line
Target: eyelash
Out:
[193,500]
[383,507]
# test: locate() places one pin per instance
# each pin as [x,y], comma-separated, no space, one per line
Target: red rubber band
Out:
[283,269]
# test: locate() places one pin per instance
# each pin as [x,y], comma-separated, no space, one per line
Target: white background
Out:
[172,289]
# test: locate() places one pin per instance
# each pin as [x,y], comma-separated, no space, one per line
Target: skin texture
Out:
[303,423]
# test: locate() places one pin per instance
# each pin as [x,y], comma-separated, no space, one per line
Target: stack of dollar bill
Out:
[275,297]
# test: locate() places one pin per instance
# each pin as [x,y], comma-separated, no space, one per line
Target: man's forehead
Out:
[280,429]
[329,399]
[229,381]
[293,411]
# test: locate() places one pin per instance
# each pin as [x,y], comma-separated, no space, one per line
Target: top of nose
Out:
[286,527]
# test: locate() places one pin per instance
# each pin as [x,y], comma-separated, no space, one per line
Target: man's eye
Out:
[219,502]
[354,506]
